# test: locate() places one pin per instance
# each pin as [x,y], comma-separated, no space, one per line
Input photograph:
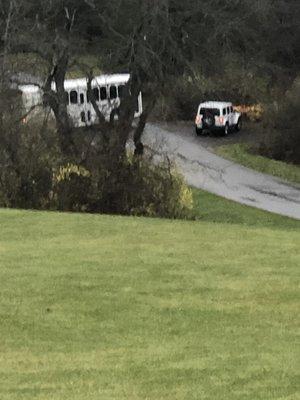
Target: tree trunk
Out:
[58,103]
[139,147]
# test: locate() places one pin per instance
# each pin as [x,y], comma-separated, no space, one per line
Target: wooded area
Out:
[248,51]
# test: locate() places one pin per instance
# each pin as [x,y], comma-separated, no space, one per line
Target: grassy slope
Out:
[99,307]
[240,154]
[213,208]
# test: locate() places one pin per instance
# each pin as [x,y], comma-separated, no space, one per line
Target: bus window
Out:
[96,93]
[121,91]
[103,93]
[81,98]
[73,97]
[113,92]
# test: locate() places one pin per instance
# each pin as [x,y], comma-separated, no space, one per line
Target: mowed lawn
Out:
[100,307]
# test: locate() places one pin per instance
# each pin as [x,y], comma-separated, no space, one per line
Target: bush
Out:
[157,189]
[70,188]
[35,174]
[26,169]
[253,112]
[27,156]
[139,187]
[282,128]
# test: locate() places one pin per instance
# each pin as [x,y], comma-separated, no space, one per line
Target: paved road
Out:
[205,170]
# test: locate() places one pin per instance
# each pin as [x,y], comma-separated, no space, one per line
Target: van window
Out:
[113,92]
[73,97]
[82,115]
[231,109]
[224,111]
[81,98]
[103,93]
[228,110]
[210,111]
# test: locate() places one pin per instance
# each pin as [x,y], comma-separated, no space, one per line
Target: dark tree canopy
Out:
[156,41]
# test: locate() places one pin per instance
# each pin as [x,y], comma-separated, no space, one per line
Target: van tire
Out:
[238,126]
[199,131]
[226,129]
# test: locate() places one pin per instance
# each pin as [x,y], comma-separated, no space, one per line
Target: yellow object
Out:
[64,172]
[253,112]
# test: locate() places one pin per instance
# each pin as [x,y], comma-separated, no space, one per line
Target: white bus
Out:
[107,90]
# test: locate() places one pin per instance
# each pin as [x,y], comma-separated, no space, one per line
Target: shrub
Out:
[139,187]
[27,156]
[35,174]
[282,128]
[70,188]
[157,189]
[25,170]
[253,113]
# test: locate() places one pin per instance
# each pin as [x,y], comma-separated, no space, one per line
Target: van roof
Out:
[215,104]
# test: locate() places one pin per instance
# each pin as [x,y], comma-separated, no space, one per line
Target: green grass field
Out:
[241,154]
[100,307]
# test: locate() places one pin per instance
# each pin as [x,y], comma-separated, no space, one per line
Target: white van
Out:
[217,116]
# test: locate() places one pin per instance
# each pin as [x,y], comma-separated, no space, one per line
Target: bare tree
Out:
[156,41]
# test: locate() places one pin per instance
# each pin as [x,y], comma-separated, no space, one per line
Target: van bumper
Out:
[216,128]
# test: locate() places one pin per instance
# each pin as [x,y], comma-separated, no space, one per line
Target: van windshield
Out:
[210,111]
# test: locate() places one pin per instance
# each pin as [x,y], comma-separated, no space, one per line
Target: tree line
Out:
[156,41]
